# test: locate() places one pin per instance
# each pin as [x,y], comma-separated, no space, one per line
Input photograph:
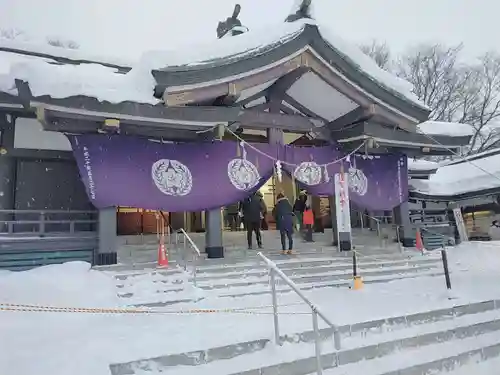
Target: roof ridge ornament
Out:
[232,25]
[301,10]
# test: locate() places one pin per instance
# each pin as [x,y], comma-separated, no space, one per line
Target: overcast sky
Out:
[129,27]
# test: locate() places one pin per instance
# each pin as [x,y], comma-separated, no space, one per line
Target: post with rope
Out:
[444,258]
[357,280]
[162,250]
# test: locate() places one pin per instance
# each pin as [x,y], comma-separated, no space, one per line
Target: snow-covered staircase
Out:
[249,277]
[423,343]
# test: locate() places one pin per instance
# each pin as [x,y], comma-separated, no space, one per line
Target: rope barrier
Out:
[371,256]
[346,157]
[54,309]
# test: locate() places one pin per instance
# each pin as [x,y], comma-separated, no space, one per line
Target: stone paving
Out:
[137,250]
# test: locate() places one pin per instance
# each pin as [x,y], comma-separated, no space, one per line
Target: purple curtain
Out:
[378,182]
[308,165]
[135,172]
[375,182]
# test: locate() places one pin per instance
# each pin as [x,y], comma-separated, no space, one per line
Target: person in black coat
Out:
[253,209]
[283,214]
[299,207]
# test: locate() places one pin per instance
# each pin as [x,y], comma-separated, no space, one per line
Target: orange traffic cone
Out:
[419,244]
[162,255]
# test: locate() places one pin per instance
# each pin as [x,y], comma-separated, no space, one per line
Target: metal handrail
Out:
[196,253]
[274,270]
[443,236]
[378,222]
[398,226]
[63,212]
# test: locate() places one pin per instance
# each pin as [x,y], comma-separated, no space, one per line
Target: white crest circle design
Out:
[309,173]
[243,174]
[358,183]
[172,177]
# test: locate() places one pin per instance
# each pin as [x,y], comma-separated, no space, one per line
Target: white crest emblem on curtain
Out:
[358,183]
[309,173]
[172,177]
[243,174]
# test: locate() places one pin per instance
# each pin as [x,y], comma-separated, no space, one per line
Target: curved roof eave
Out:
[455,198]
[309,36]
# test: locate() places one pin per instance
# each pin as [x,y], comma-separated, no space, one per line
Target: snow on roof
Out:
[453,129]
[63,81]
[421,165]
[464,176]
[71,54]
[257,41]
[253,42]
[369,66]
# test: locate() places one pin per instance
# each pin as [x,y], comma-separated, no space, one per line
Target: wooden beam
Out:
[251,98]
[306,111]
[174,96]
[263,120]
[259,107]
[283,84]
[357,115]
[185,118]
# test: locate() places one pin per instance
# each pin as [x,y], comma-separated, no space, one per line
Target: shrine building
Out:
[297,84]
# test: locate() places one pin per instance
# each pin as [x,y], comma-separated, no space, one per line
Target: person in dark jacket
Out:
[283,215]
[253,209]
[299,207]
[233,217]
[263,221]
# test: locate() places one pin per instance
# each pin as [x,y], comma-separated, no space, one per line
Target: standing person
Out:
[233,217]
[263,221]
[308,221]
[299,207]
[253,210]
[283,213]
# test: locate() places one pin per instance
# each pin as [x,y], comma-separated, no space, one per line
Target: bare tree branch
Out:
[454,91]
[58,42]
[380,52]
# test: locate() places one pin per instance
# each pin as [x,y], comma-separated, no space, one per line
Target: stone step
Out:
[379,327]
[337,283]
[346,274]
[281,289]
[447,358]
[360,354]
[293,269]
[283,261]
[296,261]
[301,279]
[487,361]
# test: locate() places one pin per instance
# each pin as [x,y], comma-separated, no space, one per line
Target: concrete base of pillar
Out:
[344,242]
[407,237]
[105,259]
[215,252]
[408,241]
[213,234]
[345,246]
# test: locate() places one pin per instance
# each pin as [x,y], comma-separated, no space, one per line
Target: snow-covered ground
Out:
[82,343]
